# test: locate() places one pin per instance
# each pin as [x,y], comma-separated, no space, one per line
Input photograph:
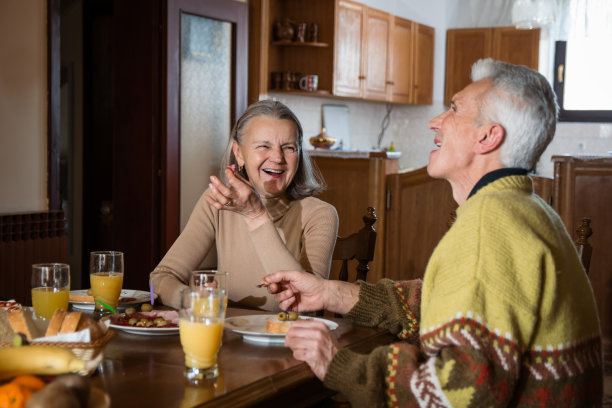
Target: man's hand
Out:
[313,343]
[297,291]
[305,292]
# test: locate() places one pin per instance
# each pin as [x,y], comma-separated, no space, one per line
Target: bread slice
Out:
[70,322]
[20,324]
[6,331]
[56,322]
[275,326]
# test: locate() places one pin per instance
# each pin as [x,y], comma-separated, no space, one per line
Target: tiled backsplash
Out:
[409,132]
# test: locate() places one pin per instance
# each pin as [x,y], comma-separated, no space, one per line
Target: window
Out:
[582,79]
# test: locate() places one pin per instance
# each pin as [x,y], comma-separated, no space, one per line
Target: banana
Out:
[38,360]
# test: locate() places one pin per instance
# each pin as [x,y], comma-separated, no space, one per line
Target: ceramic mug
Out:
[309,83]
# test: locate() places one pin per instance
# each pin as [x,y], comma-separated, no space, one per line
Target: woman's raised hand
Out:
[239,197]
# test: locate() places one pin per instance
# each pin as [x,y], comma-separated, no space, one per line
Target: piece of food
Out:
[56,322]
[39,360]
[17,392]
[81,298]
[20,324]
[70,322]
[281,323]
[146,307]
[6,331]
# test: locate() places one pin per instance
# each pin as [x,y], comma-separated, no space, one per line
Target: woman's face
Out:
[269,153]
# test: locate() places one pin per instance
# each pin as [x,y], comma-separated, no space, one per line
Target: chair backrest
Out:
[583,232]
[359,245]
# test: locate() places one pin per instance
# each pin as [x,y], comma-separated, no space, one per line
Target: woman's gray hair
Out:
[307,181]
[523,102]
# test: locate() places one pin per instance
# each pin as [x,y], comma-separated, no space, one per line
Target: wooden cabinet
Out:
[353,184]
[582,187]
[465,46]
[417,218]
[361,53]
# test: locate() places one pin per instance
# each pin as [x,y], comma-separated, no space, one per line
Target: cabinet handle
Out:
[390,83]
[560,69]
[361,77]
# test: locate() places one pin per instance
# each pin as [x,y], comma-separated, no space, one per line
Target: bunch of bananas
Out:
[40,360]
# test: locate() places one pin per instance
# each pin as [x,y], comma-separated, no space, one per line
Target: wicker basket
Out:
[88,352]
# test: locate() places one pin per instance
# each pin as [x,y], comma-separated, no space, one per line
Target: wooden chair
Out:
[583,232]
[359,246]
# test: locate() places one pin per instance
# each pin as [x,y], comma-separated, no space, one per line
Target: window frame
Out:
[604,116]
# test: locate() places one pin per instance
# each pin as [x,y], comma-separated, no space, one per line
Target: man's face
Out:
[457,133]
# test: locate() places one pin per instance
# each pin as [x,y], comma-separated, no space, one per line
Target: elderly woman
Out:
[265,220]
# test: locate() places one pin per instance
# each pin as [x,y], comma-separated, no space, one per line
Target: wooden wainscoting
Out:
[26,239]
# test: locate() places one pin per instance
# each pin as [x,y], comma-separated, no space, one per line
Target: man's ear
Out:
[491,138]
[237,153]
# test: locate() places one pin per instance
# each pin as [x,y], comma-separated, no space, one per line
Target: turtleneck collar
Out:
[277,206]
[495,175]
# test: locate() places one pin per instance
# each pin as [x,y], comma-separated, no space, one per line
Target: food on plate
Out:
[153,319]
[40,360]
[90,299]
[9,305]
[281,323]
[146,307]
[6,331]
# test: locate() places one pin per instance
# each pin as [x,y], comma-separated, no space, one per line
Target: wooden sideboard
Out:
[582,187]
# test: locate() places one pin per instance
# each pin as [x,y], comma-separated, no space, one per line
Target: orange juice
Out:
[46,300]
[106,286]
[201,341]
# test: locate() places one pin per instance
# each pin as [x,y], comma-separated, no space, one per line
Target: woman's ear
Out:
[237,153]
[492,137]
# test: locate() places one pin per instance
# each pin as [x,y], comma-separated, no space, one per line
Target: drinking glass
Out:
[208,278]
[201,317]
[50,288]
[106,280]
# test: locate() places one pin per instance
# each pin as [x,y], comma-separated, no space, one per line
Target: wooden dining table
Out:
[147,371]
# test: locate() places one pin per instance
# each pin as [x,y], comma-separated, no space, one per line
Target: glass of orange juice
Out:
[201,318]
[50,288]
[106,280]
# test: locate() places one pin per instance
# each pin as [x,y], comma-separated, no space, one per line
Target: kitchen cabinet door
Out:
[463,48]
[423,64]
[377,51]
[402,58]
[349,42]
[467,45]
[517,46]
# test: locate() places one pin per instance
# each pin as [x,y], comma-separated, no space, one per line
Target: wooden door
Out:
[348,49]
[519,47]
[423,64]
[402,58]
[376,61]
[463,48]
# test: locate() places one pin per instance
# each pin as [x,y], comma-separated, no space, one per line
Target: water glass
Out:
[106,280]
[50,288]
[204,279]
[201,317]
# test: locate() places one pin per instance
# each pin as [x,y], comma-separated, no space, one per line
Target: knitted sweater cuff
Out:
[337,377]
[373,303]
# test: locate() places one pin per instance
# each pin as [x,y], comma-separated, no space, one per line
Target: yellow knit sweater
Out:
[507,316]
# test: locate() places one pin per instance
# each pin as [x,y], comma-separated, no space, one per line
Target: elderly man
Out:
[505,315]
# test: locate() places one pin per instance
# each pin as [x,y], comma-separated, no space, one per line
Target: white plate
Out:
[253,328]
[147,331]
[139,295]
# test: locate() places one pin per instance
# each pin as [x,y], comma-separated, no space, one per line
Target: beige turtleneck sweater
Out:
[300,236]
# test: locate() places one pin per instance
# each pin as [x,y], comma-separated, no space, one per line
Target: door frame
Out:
[235,12]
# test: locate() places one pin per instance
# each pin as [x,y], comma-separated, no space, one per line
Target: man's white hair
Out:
[523,102]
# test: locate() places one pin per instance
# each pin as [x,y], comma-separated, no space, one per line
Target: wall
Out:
[23,106]
[408,127]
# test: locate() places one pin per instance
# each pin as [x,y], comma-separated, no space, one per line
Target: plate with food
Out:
[268,328]
[153,323]
[83,300]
